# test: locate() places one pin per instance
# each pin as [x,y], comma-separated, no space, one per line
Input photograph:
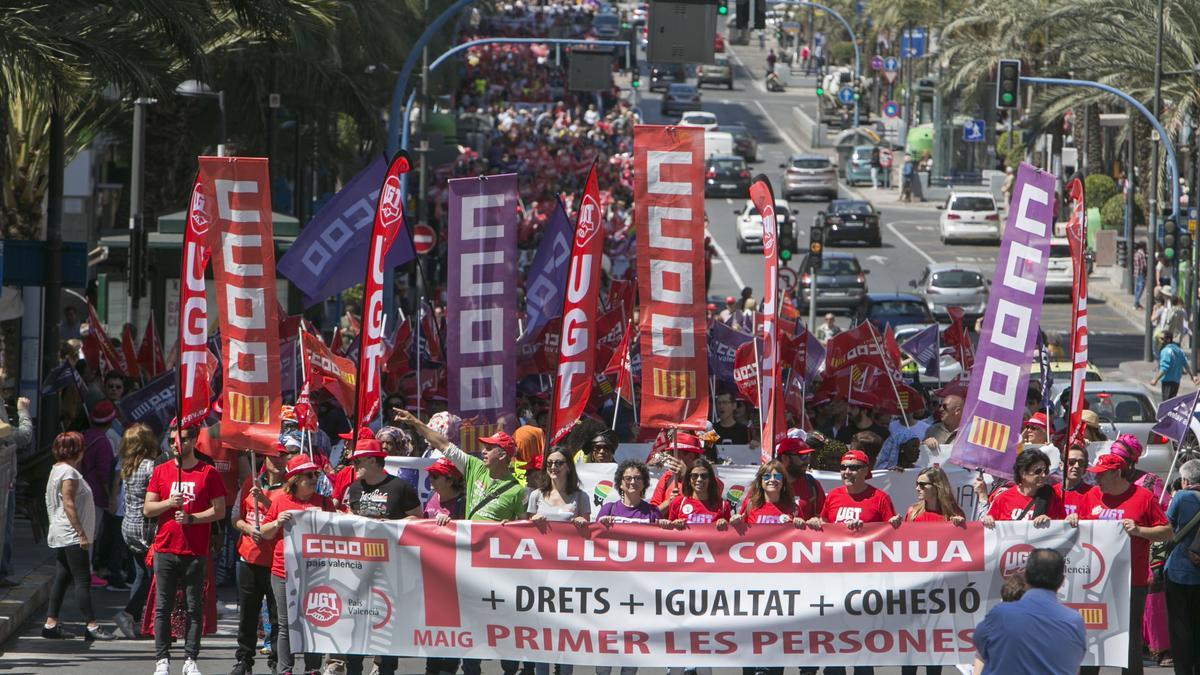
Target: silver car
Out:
[953,285]
[1124,408]
[809,175]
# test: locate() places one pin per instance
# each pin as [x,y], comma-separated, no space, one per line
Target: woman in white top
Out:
[72,528]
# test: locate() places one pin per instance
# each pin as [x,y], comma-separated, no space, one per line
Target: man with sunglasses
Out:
[1073,488]
[186,496]
[856,502]
[795,455]
[946,428]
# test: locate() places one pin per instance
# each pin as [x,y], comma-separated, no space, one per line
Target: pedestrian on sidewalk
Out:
[72,530]
[14,438]
[1163,271]
[1139,273]
[906,177]
[1172,363]
[771,59]
[876,165]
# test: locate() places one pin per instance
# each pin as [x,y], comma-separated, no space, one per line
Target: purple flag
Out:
[481,307]
[723,342]
[548,274]
[923,347]
[814,354]
[152,405]
[992,416]
[331,252]
[1174,415]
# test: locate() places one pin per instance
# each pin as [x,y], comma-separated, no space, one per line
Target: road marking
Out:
[737,278]
[918,249]
[783,134]
[926,228]
[729,200]
[761,87]
[878,258]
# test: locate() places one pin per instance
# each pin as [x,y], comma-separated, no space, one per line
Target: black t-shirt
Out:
[846,433]
[389,499]
[736,433]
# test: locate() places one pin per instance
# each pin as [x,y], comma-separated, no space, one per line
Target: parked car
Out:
[850,220]
[893,309]
[750,227]
[953,285]
[1123,408]
[969,216]
[808,175]
[726,176]
[1060,268]
[719,143]
[841,282]
[859,168]
[1060,373]
[743,143]
[720,71]
[663,75]
[680,98]
[606,26]
[697,117]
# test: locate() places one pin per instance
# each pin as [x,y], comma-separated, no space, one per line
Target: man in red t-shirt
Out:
[186,496]
[255,555]
[855,502]
[1073,489]
[810,496]
[1143,519]
[345,476]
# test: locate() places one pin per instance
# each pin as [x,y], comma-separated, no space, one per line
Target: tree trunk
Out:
[1094,140]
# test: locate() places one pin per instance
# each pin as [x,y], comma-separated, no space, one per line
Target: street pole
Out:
[48,410]
[1152,200]
[1130,160]
[137,181]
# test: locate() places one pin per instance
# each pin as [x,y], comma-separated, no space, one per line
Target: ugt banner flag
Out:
[192,341]
[995,405]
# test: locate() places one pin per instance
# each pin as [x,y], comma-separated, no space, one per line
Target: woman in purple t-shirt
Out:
[632,479]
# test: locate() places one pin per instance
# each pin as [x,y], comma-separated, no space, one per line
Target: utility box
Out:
[589,70]
[681,32]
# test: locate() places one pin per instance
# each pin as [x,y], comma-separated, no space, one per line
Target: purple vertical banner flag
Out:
[723,342]
[548,274]
[481,309]
[992,417]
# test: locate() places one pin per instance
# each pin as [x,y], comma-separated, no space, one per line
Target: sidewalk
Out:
[33,570]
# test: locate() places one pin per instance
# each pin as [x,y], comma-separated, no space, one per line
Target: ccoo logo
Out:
[589,220]
[322,606]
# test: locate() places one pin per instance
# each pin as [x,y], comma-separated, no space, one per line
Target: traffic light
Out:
[1008,84]
[816,244]
[741,18]
[635,81]
[820,91]
[722,7]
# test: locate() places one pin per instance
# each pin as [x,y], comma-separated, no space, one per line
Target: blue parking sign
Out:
[973,131]
[846,95]
[912,43]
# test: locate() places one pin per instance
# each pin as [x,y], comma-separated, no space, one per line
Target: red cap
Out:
[1037,420]
[103,412]
[1107,462]
[276,451]
[301,463]
[792,446]
[685,442]
[363,432]
[503,440]
[444,467]
[367,447]
[856,456]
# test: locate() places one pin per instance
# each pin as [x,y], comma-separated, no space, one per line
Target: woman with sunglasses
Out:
[560,500]
[769,499]
[935,500]
[299,494]
[632,479]
[1029,498]
[700,501]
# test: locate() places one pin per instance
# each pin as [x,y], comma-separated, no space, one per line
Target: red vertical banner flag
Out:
[192,341]
[1077,238]
[238,190]
[389,220]
[108,358]
[150,353]
[129,353]
[669,216]
[771,412]
[577,352]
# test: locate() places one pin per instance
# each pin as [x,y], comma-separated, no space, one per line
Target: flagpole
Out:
[883,357]
[1179,443]
[253,480]
[420,328]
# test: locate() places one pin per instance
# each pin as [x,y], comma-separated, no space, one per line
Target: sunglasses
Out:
[1041,471]
[1076,462]
[853,467]
[700,476]
[922,485]
[774,475]
[631,479]
[555,462]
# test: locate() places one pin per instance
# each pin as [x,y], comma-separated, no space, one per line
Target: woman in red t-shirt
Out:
[700,501]
[1029,498]
[255,556]
[769,499]
[299,494]
[935,499]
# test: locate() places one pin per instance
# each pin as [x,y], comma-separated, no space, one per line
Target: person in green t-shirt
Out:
[493,494]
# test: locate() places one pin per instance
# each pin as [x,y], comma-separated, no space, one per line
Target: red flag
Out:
[389,220]
[857,346]
[106,355]
[192,341]
[325,370]
[129,353]
[576,358]
[669,213]
[306,417]
[772,414]
[150,353]
[621,366]
[956,336]
[621,293]
[244,277]
[745,372]
[1077,238]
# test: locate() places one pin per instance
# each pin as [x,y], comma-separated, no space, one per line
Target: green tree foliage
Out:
[1097,189]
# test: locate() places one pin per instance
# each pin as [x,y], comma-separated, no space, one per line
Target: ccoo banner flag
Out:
[238,191]
[643,596]
[481,308]
[669,215]
[994,412]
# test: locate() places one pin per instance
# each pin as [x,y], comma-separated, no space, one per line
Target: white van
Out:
[718,143]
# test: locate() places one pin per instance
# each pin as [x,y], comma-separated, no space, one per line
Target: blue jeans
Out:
[1139,285]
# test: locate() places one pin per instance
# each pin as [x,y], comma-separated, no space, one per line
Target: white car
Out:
[1060,272]
[969,216]
[699,118]
[750,227]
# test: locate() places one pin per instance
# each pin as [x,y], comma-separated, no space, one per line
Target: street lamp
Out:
[200,89]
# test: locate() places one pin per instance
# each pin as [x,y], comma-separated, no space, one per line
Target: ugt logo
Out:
[390,207]
[198,214]
[768,225]
[1013,560]
[322,606]
[589,220]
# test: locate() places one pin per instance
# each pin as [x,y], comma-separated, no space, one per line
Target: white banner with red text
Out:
[636,595]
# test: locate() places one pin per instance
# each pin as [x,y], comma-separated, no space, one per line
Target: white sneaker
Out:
[190,668]
[162,667]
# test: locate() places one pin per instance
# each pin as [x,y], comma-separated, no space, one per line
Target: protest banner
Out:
[548,274]
[995,402]
[774,424]
[1077,240]
[481,306]
[152,404]
[636,595]
[192,341]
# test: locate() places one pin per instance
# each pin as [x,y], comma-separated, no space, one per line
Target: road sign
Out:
[876,62]
[973,131]
[891,109]
[846,95]
[423,239]
[912,43]
[891,64]
[787,278]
